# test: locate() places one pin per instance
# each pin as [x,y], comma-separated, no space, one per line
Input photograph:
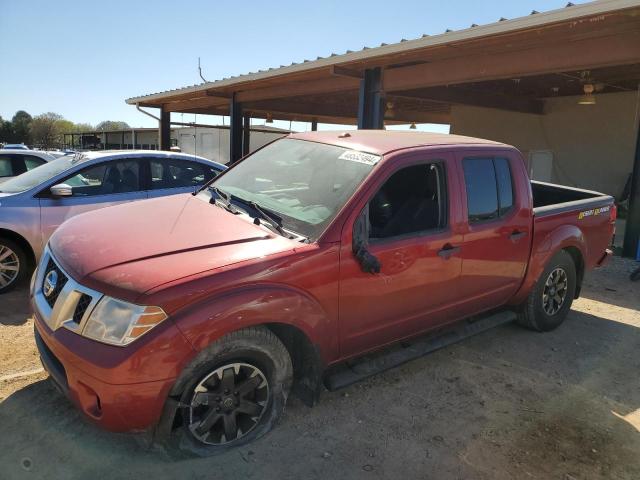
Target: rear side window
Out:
[6,166]
[505,188]
[175,173]
[489,188]
[31,162]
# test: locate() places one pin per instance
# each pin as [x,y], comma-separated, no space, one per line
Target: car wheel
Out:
[234,392]
[13,265]
[550,300]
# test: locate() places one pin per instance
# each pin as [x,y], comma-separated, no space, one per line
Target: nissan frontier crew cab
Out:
[193,317]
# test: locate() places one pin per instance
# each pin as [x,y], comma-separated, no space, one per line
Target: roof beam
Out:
[340,71]
[200,102]
[458,96]
[329,85]
[621,49]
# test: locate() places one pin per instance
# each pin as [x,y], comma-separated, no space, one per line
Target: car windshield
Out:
[305,183]
[35,177]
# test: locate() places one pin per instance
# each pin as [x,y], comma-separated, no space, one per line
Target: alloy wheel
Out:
[555,291]
[228,403]
[9,266]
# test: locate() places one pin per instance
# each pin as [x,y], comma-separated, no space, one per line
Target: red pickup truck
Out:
[193,317]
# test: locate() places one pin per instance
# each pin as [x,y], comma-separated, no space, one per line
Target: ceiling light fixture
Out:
[588,98]
[390,113]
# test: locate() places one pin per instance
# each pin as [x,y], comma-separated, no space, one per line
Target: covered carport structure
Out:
[564,82]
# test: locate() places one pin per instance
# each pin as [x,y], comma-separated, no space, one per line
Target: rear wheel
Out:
[234,392]
[550,300]
[13,265]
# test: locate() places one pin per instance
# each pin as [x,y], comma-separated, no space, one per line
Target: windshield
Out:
[38,175]
[304,183]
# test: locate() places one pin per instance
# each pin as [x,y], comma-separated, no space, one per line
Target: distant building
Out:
[211,142]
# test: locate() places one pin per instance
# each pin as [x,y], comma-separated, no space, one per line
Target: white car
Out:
[15,162]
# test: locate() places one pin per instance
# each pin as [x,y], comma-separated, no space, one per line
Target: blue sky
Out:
[82,59]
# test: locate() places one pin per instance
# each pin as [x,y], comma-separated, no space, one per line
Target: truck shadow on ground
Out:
[499,405]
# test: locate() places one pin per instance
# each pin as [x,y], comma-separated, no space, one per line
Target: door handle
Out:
[517,235]
[447,251]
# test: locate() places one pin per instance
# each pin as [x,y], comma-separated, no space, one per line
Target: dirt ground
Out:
[505,404]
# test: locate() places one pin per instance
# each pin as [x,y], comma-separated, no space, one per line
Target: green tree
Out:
[83,127]
[6,131]
[45,130]
[112,125]
[20,124]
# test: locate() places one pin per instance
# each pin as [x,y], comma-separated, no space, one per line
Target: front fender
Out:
[543,250]
[210,319]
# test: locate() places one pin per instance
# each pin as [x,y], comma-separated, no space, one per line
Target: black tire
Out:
[255,347]
[8,279]
[537,312]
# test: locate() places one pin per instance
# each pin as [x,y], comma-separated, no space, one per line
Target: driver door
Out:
[413,235]
[96,186]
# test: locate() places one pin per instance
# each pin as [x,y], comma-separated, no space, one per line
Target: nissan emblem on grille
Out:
[50,283]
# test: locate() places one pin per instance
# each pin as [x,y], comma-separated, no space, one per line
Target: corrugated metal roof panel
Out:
[535,19]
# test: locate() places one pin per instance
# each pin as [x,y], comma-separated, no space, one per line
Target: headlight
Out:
[120,323]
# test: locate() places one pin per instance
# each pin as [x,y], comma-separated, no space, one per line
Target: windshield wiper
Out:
[272,219]
[224,197]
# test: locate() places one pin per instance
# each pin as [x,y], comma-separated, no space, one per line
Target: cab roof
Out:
[381,142]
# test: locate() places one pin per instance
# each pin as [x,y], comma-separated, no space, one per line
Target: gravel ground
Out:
[505,404]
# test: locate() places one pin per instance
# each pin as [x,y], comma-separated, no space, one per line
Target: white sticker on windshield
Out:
[355,156]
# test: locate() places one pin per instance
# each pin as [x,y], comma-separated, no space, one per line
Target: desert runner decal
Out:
[593,211]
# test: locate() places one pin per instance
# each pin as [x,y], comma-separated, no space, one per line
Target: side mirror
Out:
[61,190]
[368,262]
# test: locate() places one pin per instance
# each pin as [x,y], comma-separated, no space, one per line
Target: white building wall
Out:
[213,143]
[592,145]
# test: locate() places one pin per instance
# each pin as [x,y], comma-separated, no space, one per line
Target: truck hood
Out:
[131,248]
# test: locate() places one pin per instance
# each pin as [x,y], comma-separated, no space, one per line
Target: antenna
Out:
[200,72]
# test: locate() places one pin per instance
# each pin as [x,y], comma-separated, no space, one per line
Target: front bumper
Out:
[114,407]
[122,389]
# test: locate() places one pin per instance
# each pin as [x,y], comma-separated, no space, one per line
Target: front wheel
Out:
[549,302]
[234,392]
[13,265]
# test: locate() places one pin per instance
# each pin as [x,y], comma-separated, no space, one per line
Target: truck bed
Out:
[586,212]
[549,199]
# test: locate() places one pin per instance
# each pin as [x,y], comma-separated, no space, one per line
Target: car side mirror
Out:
[61,190]
[368,262]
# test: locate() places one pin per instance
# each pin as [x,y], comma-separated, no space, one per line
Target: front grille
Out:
[81,307]
[60,283]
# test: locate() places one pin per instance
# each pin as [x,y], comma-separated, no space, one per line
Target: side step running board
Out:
[353,371]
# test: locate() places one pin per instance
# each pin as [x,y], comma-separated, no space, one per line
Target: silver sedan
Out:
[34,204]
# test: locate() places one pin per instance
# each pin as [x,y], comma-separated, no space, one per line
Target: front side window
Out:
[175,173]
[121,176]
[412,200]
[304,183]
[489,188]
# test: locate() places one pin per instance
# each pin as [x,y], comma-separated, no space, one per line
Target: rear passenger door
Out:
[171,176]
[495,247]
[96,186]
